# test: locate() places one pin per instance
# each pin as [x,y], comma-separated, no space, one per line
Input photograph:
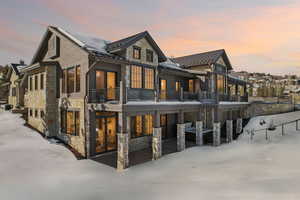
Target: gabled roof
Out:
[17,67]
[126,42]
[201,59]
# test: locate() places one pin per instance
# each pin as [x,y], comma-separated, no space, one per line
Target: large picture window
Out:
[148,124]
[191,86]
[71,80]
[136,76]
[149,78]
[220,84]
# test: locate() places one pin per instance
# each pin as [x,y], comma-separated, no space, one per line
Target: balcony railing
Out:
[165,95]
[135,94]
[190,96]
[233,98]
[104,95]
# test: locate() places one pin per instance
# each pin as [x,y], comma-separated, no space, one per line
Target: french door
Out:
[106,84]
[106,134]
[163,124]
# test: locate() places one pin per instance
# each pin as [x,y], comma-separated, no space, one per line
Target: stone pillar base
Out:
[156,144]
[239,125]
[180,137]
[199,133]
[229,130]
[217,134]
[123,160]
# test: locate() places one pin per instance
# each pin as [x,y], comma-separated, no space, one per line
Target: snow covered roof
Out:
[17,67]
[170,64]
[90,43]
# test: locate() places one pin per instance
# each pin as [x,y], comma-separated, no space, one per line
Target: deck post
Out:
[217,134]
[229,131]
[199,133]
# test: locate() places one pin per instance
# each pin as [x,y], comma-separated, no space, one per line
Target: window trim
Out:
[63,127]
[139,49]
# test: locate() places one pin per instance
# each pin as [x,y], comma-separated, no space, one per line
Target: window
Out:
[177,86]
[191,86]
[36,113]
[42,114]
[36,82]
[148,124]
[30,83]
[137,126]
[136,76]
[71,80]
[141,125]
[42,81]
[70,122]
[220,84]
[30,112]
[78,79]
[149,55]
[149,78]
[136,52]
[64,80]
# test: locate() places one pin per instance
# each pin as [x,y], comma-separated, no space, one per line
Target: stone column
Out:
[156,144]
[180,137]
[199,133]
[217,134]
[180,132]
[229,131]
[123,143]
[123,160]
[239,125]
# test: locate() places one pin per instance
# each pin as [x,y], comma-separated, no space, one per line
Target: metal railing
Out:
[104,95]
[135,94]
[165,95]
[190,96]
[272,128]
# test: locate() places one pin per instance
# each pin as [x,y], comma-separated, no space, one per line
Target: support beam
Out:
[217,134]
[156,144]
[123,143]
[199,133]
[156,138]
[180,137]
[229,131]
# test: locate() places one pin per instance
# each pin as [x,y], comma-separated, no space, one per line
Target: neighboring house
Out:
[123,96]
[16,92]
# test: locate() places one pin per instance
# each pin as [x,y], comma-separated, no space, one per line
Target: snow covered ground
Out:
[33,169]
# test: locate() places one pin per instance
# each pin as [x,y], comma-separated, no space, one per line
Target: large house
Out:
[100,96]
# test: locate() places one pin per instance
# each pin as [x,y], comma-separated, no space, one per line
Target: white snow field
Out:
[33,169]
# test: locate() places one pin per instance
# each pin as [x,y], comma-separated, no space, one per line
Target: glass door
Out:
[100,135]
[111,133]
[111,85]
[106,134]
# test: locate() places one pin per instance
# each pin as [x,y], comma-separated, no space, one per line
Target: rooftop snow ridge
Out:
[88,42]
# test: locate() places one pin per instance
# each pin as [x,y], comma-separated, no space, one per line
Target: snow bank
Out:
[33,169]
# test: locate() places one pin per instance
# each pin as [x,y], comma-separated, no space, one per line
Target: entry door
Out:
[163,89]
[111,85]
[106,136]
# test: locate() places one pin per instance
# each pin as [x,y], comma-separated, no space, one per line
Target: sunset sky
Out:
[258,35]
